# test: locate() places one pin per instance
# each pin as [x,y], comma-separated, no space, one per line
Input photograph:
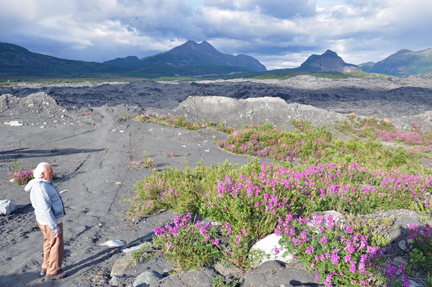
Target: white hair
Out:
[42,167]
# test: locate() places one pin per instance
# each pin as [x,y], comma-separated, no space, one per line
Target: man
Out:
[49,211]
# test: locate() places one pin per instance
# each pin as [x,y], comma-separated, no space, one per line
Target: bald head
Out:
[42,171]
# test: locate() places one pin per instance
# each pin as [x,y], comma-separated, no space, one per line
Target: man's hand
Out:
[57,234]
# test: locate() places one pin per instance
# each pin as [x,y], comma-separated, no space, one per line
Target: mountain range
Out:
[195,60]
[192,54]
[402,63]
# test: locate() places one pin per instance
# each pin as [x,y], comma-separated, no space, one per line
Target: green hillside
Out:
[18,61]
[404,63]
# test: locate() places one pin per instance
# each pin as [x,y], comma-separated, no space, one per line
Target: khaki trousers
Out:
[53,250]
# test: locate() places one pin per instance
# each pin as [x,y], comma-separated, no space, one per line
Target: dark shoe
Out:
[57,276]
[43,272]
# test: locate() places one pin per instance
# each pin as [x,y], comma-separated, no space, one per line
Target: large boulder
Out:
[6,207]
[272,273]
[191,278]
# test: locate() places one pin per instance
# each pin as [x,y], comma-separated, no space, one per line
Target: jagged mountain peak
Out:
[328,61]
[330,53]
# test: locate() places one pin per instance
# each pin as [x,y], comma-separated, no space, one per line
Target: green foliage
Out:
[220,281]
[181,122]
[145,253]
[421,255]
[185,247]
[182,191]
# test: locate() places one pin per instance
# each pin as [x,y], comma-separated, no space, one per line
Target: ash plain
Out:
[93,144]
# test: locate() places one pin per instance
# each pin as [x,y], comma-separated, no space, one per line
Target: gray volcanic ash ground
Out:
[91,147]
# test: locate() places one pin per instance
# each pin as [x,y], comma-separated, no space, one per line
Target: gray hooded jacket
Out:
[46,201]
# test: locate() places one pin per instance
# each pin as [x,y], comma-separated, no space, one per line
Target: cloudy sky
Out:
[279,33]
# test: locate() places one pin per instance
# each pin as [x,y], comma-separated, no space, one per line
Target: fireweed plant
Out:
[254,200]
[342,256]
[20,175]
[250,202]
[384,130]
[421,255]
[313,144]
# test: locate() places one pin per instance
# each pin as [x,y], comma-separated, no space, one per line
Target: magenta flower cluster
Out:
[385,131]
[341,255]
[21,177]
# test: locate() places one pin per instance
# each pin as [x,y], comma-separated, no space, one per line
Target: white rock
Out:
[268,245]
[6,207]
[113,243]
[15,124]
[133,248]
[63,191]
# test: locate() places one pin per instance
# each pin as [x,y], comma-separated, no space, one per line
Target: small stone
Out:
[399,261]
[113,243]
[166,272]
[6,207]
[121,265]
[402,245]
[14,123]
[115,280]
[415,284]
[395,234]
[42,127]
[146,278]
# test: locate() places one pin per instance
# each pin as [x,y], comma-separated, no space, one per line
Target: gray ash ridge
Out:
[382,98]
